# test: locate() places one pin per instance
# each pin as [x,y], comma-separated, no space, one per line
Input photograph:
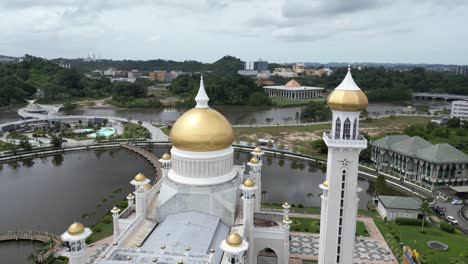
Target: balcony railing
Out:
[359,142]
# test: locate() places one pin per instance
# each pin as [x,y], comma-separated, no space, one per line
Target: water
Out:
[105,132]
[50,193]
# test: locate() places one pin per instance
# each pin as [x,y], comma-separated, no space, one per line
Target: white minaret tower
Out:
[75,236]
[248,196]
[165,161]
[234,248]
[339,199]
[139,182]
[255,174]
[115,222]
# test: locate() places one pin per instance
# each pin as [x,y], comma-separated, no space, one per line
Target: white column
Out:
[115,217]
[286,225]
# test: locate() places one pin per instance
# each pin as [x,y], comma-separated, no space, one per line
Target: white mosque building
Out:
[205,209]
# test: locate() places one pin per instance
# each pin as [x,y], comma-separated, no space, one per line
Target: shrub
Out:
[97,229]
[408,221]
[300,206]
[107,219]
[385,220]
[122,204]
[447,227]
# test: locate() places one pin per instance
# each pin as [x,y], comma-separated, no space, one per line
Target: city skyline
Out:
[277,30]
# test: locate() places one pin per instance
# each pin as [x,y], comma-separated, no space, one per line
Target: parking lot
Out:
[453,210]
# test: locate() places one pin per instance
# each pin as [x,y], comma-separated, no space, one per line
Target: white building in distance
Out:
[460,110]
[293,90]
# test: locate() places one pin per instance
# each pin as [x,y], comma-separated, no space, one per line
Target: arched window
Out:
[347,129]
[355,135]
[337,128]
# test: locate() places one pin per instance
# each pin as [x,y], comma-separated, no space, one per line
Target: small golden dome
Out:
[292,83]
[285,204]
[76,229]
[286,218]
[163,246]
[187,248]
[254,160]
[147,187]
[180,262]
[166,156]
[347,96]
[212,250]
[154,259]
[325,183]
[115,209]
[249,183]
[202,129]
[234,240]
[140,177]
[130,196]
[347,100]
[129,258]
[257,150]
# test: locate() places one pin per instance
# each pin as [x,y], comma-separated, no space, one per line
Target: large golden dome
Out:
[347,96]
[202,129]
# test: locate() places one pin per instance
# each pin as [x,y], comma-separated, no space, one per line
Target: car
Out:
[456,202]
[451,220]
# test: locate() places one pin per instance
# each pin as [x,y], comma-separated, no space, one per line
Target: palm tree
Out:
[425,211]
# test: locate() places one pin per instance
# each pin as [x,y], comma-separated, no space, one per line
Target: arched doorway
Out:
[267,256]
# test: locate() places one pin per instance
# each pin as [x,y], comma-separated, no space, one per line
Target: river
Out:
[235,114]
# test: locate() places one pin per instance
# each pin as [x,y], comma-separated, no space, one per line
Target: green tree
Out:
[309,196]
[315,111]
[252,121]
[25,144]
[268,120]
[453,122]
[380,185]
[56,141]
[425,211]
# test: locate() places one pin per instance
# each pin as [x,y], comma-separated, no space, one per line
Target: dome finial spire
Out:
[202,98]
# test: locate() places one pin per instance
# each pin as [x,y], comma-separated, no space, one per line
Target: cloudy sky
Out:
[414,31]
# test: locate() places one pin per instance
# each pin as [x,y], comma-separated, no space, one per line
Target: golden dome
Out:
[249,183]
[76,229]
[347,96]
[347,100]
[285,204]
[234,240]
[325,183]
[166,156]
[130,196]
[202,129]
[115,209]
[140,177]
[147,187]
[292,83]
[257,150]
[254,160]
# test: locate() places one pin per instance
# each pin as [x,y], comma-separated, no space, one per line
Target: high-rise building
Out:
[261,65]
[134,74]
[462,70]
[339,198]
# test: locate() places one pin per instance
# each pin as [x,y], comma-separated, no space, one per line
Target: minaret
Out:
[339,199]
[248,196]
[115,221]
[255,174]
[75,236]
[165,161]
[286,225]
[139,182]
[234,248]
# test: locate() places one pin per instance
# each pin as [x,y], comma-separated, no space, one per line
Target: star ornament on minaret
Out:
[345,163]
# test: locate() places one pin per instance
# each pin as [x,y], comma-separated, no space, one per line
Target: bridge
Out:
[147,155]
[440,97]
[31,235]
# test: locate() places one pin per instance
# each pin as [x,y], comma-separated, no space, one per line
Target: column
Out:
[115,222]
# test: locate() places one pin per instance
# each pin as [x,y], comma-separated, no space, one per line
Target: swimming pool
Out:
[104,131]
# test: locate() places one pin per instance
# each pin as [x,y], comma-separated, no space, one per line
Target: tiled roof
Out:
[399,202]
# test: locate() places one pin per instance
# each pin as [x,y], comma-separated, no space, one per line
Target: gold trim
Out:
[347,100]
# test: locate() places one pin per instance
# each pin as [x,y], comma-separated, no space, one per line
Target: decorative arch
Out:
[347,129]
[337,128]
[355,133]
[268,255]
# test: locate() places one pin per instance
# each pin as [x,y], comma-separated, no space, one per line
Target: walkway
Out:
[32,235]
[147,155]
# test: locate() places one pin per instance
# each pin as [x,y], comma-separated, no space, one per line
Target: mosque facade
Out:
[204,209]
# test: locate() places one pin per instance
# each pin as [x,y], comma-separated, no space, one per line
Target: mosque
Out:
[205,209]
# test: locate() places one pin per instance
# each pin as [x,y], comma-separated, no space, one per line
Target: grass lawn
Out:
[165,130]
[16,136]
[411,236]
[132,130]
[312,225]
[101,229]
[5,146]
[312,210]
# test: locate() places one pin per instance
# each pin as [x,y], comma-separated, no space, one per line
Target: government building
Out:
[414,158]
[293,90]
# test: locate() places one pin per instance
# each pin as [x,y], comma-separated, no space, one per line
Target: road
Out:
[453,210]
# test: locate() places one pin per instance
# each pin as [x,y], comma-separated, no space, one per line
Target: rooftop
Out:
[399,202]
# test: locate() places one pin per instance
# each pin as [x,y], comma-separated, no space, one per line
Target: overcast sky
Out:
[413,31]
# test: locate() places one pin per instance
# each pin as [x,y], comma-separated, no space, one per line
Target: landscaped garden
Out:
[312,225]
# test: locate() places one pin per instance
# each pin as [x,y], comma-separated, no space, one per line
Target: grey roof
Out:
[198,230]
[443,153]
[410,146]
[399,202]
[460,189]
[387,142]
[422,149]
